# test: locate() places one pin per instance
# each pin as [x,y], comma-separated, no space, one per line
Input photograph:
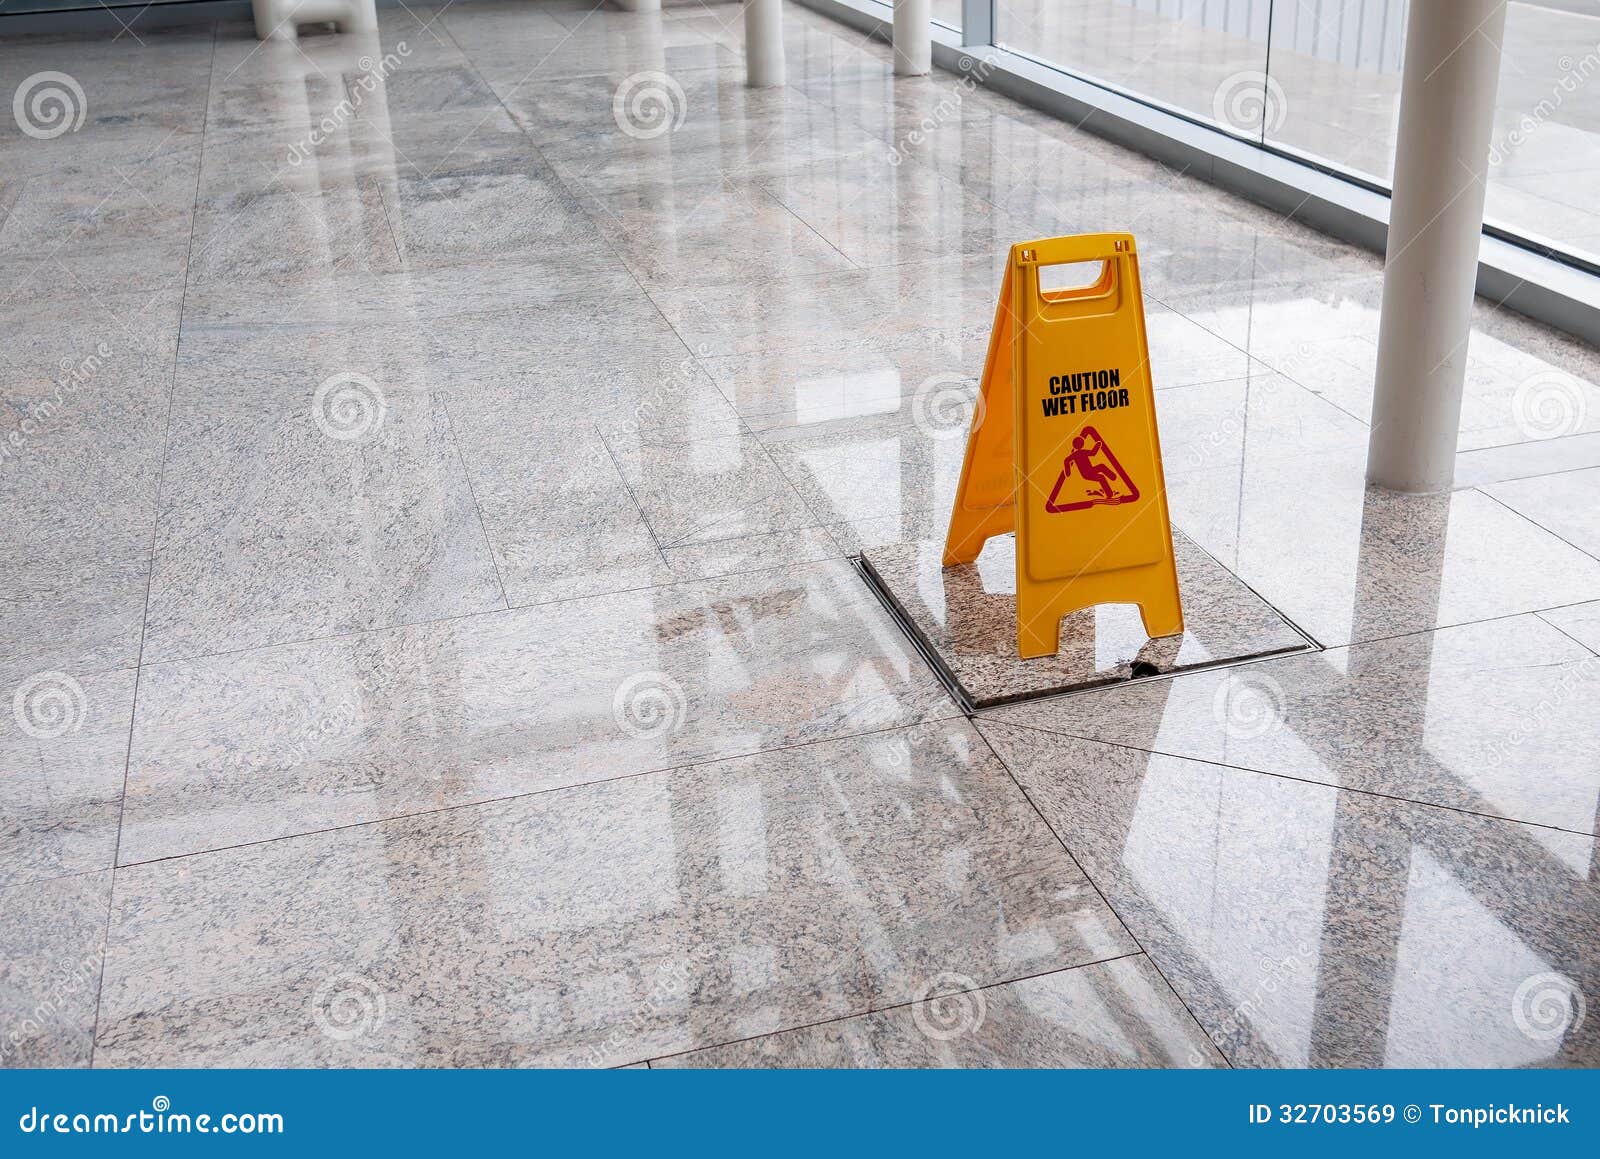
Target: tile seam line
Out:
[49,878]
[1100,893]
[1536,474]
[655,771]
[1479,488]
[155,536]
[1392,797]
[1409,632]
[1545,619]
[472,493]
[377,629]
[873,1010]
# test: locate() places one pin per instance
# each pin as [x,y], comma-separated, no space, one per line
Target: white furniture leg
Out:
[279,19]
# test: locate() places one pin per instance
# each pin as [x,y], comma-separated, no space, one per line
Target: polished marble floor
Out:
[431,463]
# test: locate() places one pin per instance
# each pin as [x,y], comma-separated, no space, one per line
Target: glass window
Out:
[1544,157]
[1207,58]
[947,12]
[1334,92]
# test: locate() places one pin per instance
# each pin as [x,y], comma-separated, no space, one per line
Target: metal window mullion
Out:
[977,21]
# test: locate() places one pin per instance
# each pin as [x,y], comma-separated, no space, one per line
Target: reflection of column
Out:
[639,5]
[1435,220]
[913,38]
[1400,565]
[763,44]
[1350,1020]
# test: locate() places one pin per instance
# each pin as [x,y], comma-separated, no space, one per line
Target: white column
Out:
[1447,90]
[913,38]
[763,44]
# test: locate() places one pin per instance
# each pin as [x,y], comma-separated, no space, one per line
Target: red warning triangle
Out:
[1090,476]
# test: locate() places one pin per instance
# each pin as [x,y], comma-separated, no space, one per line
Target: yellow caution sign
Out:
[1063,447]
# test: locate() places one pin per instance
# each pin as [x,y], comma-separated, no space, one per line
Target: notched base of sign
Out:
[964,620]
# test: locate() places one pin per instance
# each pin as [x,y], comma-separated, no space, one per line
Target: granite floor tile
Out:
[451,218]
[1108,1014]
[236,362]
[72,606]
[63,749]
[707,489]
[1580,621]
[82,458]
[307,509]
[449,302]
[714,557]
[710,234]
[785,387]
[77,217]
[1496,718]
[290,237]
[874,367]
[603,104]
[610,362]
[1310,926]
[557,513]
[877,213]
[1561,504]
[52,949]
[546,58]
[699,150]
[52,319]
[603,924]
[879,465]
[263,744]
[1487,465]
[812,310]
[1277,320]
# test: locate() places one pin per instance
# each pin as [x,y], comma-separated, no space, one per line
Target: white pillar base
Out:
[913,38]
[279,19]
[763,44]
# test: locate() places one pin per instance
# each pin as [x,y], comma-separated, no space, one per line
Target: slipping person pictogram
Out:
[1090,475]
